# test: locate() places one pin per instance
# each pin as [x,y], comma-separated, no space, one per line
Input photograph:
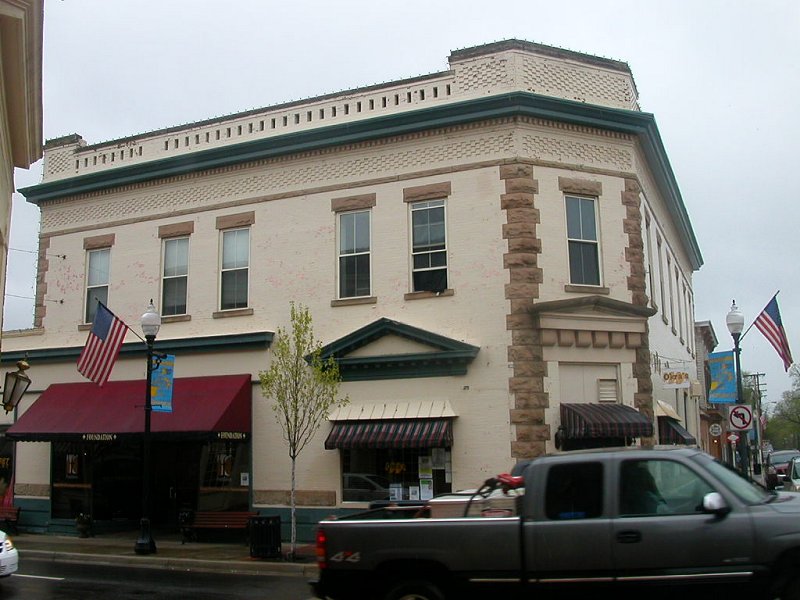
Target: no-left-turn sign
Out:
[740,417]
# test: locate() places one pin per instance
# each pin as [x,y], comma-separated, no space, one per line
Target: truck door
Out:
[568,541]
[661,532]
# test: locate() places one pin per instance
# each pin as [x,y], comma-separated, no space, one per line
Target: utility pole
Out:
[758,389]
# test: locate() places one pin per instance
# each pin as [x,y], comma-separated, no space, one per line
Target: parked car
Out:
[792,481]
[364,487]
[776,467]
[9,558]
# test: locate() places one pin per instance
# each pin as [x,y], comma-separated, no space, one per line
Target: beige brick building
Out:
[497,254]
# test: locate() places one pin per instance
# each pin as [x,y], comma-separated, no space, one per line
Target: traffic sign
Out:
[715,429]
[733,438]
[740,417]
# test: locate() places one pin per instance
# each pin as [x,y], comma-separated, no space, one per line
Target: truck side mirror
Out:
[714,503]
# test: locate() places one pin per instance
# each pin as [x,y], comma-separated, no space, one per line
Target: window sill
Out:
[176,318]
[84,327]
[234,312]
[354,301]
[421,295]
[586,289]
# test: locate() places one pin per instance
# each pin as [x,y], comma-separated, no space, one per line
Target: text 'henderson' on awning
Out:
[593,420]
[202,408]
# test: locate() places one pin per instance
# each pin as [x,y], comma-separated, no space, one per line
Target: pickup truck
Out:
[605,521]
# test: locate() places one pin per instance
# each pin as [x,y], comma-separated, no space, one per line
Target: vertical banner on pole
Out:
[723,378]
[161,390]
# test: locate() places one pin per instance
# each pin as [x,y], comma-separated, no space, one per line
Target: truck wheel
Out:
[414,590]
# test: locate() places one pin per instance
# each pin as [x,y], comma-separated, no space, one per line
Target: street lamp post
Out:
[151,322]
[735,323]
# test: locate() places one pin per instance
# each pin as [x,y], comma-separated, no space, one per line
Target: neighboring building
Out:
[713,421]
[498,256]
[21,102]
[20,139]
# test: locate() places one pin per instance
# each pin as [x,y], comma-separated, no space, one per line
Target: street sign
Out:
[733,438]
[740,417]
[715,429]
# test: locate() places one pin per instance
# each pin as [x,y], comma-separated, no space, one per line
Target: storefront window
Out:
[225,468]
[72,490]
[395,474]
[6,470]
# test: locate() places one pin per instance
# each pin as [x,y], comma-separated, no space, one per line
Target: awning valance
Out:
[391,433]
[663,409]
[593,420]
[216,407]
[409,409]
[672,432]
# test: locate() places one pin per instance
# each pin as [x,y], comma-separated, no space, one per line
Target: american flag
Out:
[102,346]
[769,323]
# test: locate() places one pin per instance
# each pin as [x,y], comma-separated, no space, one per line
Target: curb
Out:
[177,564]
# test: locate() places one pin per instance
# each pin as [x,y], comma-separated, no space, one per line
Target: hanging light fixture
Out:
[16,384]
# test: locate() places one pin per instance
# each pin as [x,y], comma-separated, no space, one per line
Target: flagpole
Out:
[762,310]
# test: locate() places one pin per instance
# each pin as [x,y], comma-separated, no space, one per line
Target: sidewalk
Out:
[117,549]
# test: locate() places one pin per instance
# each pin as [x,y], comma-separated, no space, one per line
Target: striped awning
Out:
[592,420]
[391,433]
[672,432]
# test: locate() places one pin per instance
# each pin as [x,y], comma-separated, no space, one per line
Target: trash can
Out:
[265,537]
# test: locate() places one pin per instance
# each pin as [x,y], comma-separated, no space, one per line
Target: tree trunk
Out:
[293,513]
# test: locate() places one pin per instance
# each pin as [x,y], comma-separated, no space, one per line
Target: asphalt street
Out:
[45,579]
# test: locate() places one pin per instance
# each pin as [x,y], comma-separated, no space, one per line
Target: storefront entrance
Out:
[105,479]
[200,451]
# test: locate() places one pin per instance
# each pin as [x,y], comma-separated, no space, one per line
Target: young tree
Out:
[304,390]
[783,427]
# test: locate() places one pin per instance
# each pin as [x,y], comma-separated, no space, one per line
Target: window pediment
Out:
[591,322]
[400,351]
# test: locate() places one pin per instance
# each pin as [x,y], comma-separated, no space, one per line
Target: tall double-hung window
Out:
[98,267]
[175,276]
[354,254]
[235,268]
[428,246]
[583,241]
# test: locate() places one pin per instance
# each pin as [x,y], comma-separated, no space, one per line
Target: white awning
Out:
[664,409]
[410,409]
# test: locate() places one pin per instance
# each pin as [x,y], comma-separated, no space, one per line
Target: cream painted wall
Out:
[293,257]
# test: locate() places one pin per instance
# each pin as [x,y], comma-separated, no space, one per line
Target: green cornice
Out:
[449,357]
[513,104]
[213,343]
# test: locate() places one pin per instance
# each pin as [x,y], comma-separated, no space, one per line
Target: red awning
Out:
[391,433]
[606,420]
[202,407]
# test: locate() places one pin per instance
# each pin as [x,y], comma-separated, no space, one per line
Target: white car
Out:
[792,481]
[9,558]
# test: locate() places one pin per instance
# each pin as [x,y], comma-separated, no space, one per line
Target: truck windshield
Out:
[745,489]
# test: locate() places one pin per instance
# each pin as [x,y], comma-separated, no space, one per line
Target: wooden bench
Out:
[9,515]
[224,520]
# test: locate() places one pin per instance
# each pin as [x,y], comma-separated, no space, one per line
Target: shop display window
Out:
[394,475]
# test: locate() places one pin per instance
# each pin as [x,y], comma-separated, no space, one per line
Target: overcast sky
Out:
[721,78]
